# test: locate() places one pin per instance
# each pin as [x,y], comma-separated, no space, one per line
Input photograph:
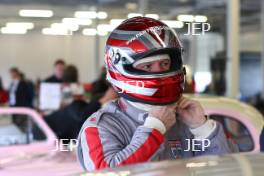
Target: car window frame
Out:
[242,119]
[39,122]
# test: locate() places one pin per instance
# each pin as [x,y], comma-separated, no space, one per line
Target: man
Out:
[152,120]
[19,96]
[73,115]
[58,72]
[19,92]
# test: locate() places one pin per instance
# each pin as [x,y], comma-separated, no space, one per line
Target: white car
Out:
[28,146]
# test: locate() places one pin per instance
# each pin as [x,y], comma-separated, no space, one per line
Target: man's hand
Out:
[166,114]
[191,112]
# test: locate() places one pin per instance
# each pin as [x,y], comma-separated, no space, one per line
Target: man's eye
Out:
[165,63]
[147,67]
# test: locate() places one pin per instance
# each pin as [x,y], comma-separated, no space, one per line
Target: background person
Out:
[58,72]
[3,94]
[67,122]
[20,94]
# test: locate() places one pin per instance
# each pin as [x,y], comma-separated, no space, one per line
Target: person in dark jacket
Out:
[20,95]
[19,91]
[67,121]
[58,72]
[30,88]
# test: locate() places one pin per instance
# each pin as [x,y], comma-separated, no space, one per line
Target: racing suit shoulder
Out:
[102,144]
[218,143]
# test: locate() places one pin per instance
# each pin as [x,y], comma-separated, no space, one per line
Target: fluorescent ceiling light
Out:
[36,13]
[154,16]
[200,18]
[186,18]
[131,15]
[105,27]
[53,31]
[10,30]
[102,15]
[93,32]
[25,25]
[77,21]
[102,33]
[71,27]
[89,31]
[116,22]
[173,23]
[85,14]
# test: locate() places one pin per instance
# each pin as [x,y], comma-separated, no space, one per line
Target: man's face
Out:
[154,64]
[59,70]
[13,75]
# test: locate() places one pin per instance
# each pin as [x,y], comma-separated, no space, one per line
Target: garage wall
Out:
[35,54]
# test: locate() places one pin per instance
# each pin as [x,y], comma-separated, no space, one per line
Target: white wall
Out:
[35,54]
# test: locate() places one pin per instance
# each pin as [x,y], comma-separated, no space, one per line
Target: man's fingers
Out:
[181,99]
[172,109]
[184,103]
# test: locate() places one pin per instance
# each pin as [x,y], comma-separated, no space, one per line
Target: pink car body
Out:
[235,110]
[38,158]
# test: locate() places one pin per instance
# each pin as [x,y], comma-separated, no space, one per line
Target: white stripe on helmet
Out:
[131,88]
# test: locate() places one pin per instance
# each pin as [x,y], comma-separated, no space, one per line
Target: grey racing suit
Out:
[116,136]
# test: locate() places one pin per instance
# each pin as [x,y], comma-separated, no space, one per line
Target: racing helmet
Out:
[133,40]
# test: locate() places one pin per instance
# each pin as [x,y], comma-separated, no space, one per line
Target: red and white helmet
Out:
[133,40]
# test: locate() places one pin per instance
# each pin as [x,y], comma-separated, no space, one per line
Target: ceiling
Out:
[167,9]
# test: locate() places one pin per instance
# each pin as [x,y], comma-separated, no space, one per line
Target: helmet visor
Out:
[169,60]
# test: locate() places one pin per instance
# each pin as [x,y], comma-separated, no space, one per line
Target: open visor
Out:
[174,54]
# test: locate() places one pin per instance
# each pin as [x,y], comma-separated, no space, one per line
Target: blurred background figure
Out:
[30,88]
[67,122]
[189,86]
[71,88]
[70,74]
[20,94]
[58,72]
[99,86]
[258,102]
[3,94]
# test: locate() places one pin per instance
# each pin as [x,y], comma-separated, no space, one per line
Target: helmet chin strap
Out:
[143,106]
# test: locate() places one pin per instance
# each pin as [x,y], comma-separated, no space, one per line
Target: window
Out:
[236,132]
[19,129]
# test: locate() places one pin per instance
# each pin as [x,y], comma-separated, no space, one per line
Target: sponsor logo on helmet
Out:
[154,30]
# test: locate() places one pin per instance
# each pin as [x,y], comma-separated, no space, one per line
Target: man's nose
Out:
[156,67]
